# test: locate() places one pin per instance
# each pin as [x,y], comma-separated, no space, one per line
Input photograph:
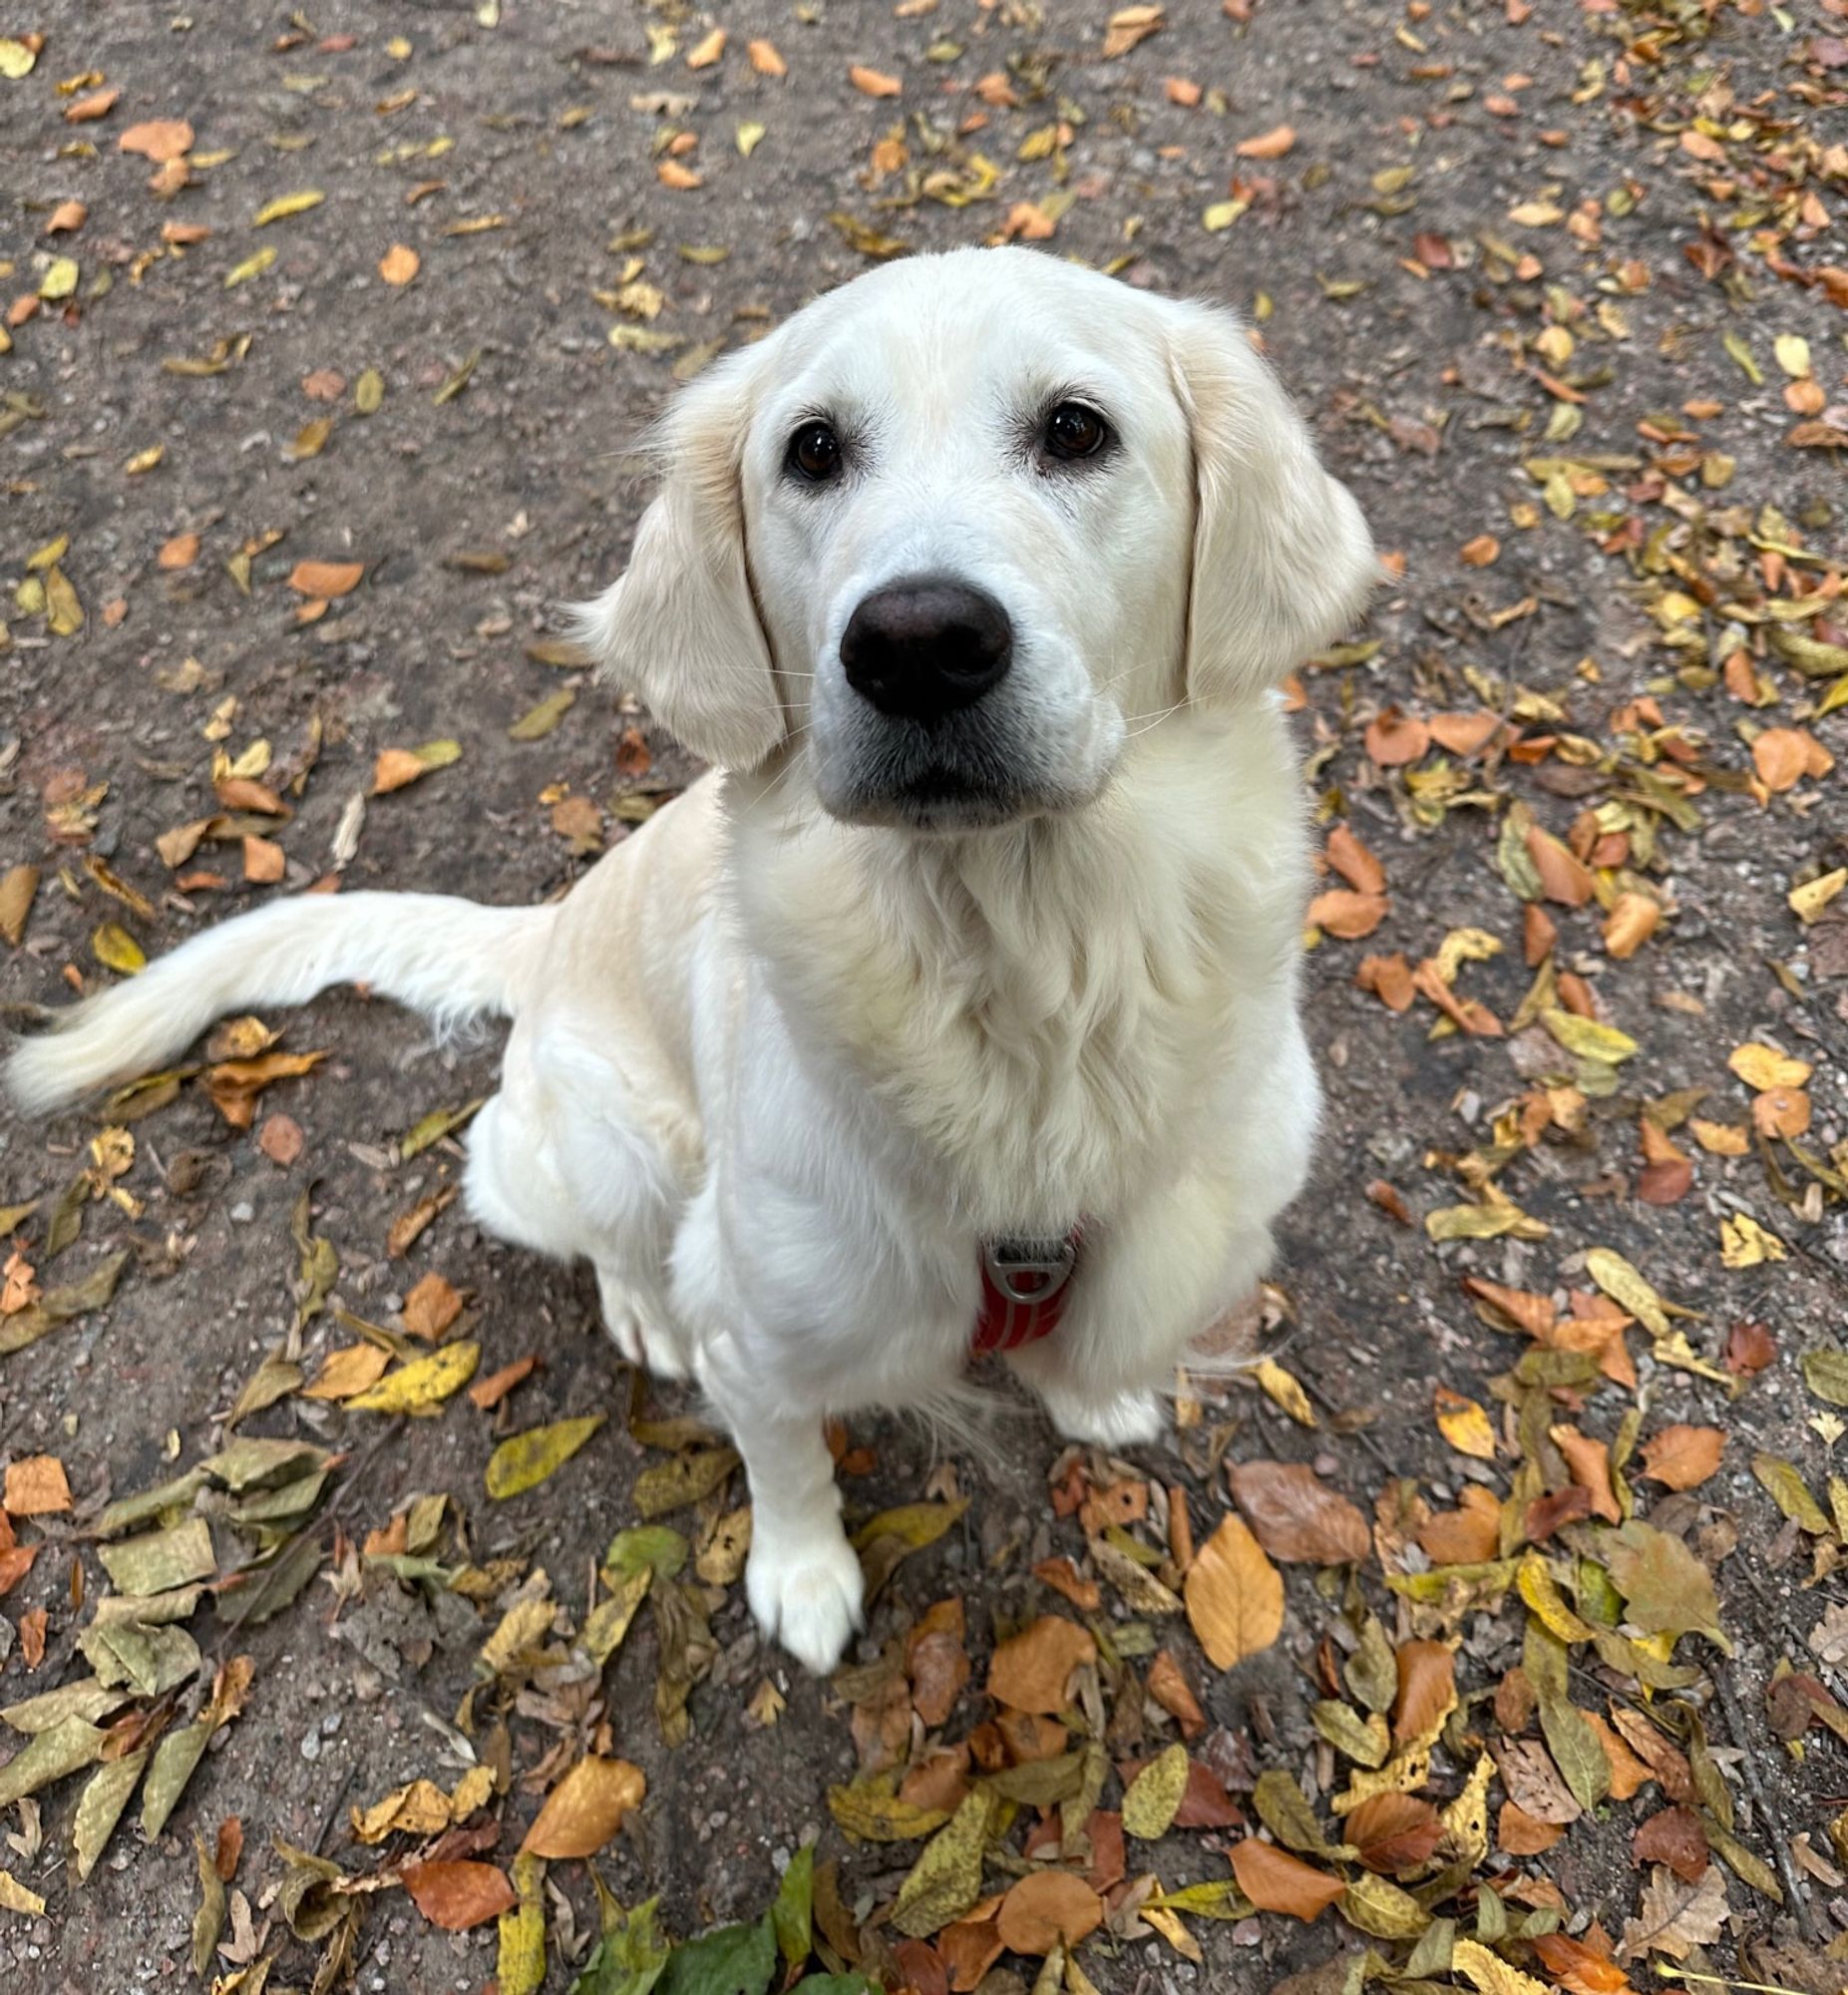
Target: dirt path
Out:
[1563,289]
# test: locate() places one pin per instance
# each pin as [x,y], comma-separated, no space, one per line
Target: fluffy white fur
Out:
[779,1072]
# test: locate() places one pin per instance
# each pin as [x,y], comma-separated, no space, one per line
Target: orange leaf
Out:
[1524,1834]
[86,110]
[1783,756]
[1427,1690]
[280,1139]
[490,1392]
[1031,1673]
[1683,1457]
[1482,551]
[1578,1968]
[348,1371]
[1394,1831]
[459,1895]
[1346,914]
[1276,1881]
[1464,733]
[707,51]
[1463,1423]
[1564,875]
[586,1808]
[36,1486]
[1354,863]
[1045,1907]
[1632,918]
[1394,738]
[181,551]
[765,60]
[326,579]
[431,1307]
[1471,1534]
[672,173]
[400,263]
[159,139]
[875,83]
[1590,1462]
[1389,978]
[263,861]
[1234,1595]
[1296,1515]
[1272,145]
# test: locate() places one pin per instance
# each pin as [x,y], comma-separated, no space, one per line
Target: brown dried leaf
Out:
[1296,1517]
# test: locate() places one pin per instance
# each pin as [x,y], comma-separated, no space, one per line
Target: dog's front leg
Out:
[803,1577]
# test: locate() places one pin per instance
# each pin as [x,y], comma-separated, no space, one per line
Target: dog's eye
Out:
[815,453]
[1073,431]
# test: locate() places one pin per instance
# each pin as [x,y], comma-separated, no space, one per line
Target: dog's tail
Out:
[446,957]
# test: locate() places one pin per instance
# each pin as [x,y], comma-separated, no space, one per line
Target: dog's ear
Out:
[1283,560]
[680,627]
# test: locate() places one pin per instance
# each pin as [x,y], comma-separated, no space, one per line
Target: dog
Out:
[958,1005]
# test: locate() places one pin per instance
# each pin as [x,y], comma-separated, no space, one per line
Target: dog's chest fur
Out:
[1046,1014]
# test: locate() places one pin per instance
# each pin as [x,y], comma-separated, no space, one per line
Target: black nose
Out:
[927,646]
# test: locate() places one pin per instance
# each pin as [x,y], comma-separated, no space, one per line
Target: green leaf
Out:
[630,1957]
[1153,1799]
[1790,1494]
[159,1560]
[735,1960]
[67,1745]
[792,1916]
[946,1879]
[645,1548]
[520,1960]
[1825,1373]
[688,1478]
[105,1794]
[1666,1589]
[525,1461]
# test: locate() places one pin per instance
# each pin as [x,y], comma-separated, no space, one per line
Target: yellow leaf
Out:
[397,767]
[64,615]
[49,555]
[1153,1799]
[1586,1039]
[1808,901]
[1792,355]
[1744,1243]
[749,137]
[1488,1974]
[14,1897]
[1284,1389]
[520,1966]
[1234,1595]
[16,60]
[369,392]
[1763,1068]
[870,1811]
[60,278]
[1535,1580]
[286,205]
[115,948]
[251,266]
[946,1879]
[424,1383]
[919,1524]
[1221,215]
[1464,1425]
[586,1808]
[523,1461]
[1631,1293]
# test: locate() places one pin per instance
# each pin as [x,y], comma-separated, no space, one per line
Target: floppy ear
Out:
[1283,560]
[681,627]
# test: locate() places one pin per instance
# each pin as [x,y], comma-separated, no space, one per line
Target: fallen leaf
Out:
[159,139]
[398,264]
[422,1385]
[1272,145]
[1683,1457]
[586,1808]
[1276,1881]
[326,579]
[461,1895]
[1675,1918]
[1234,1595]
[1297,1516]
[525,1461]
[1049,1908]
[36,1486]
[1031,1671]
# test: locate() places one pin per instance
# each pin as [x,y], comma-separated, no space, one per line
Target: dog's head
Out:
[956,531]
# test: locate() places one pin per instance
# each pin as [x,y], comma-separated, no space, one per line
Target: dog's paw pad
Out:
[808,1599]
[1122,1421]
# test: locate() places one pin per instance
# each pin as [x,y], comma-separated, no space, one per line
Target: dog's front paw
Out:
[1122,1421]
[805,1591]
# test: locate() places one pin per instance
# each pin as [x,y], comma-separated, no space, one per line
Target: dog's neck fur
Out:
[1042,1009]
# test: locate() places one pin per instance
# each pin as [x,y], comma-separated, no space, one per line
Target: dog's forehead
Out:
[939,330]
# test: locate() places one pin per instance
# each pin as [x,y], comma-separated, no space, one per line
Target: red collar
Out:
[1023,1288]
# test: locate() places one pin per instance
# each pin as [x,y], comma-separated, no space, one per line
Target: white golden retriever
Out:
[976,965]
